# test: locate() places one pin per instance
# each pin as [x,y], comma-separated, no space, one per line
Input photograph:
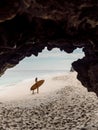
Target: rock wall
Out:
[28,26]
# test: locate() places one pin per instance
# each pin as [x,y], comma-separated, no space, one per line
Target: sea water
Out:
[46,64]
[16,76]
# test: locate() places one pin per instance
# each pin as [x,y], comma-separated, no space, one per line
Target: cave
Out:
[28,26]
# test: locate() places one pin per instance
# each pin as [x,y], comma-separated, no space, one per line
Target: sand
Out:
[62,104]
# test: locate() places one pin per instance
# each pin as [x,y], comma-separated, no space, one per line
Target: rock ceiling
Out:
[28,26]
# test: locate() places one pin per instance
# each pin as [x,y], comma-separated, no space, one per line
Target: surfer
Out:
[36,85]
[36,79]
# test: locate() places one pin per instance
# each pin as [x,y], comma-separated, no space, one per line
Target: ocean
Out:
[46,64]
[13,77]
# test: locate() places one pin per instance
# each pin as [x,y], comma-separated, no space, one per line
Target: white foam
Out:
[22,90]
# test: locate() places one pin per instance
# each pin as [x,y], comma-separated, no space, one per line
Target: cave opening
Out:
[45,64]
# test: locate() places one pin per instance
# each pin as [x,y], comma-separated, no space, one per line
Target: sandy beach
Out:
[62,104]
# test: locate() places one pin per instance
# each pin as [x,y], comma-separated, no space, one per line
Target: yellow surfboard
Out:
[37,85]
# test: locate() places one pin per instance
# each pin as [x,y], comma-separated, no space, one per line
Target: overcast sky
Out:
[55,60]
[50,60]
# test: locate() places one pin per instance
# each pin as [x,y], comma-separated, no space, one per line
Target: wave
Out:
[14,77]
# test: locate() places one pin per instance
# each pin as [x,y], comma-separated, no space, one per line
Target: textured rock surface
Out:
[27,26]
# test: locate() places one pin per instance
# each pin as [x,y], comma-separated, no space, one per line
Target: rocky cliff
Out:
[28,26]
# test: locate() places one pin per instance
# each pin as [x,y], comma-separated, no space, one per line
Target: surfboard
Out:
[37,85]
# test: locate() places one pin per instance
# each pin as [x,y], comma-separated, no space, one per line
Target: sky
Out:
[47,62]
[50,60]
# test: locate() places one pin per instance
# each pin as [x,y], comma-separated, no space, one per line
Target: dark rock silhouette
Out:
[28,26]
[72,69]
